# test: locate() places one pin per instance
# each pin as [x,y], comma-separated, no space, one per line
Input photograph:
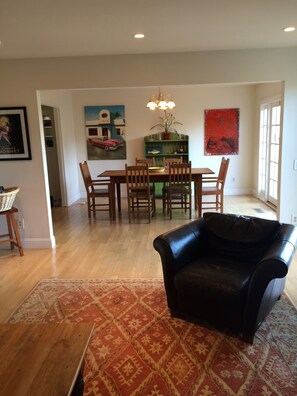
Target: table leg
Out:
[119,195]
[112,203]
[18,242]
[198,198]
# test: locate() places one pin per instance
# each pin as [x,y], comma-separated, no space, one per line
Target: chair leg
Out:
[94,206]
[17,235]
[170,206]
[129,209]
[89,206]
[222,203]
[9,227]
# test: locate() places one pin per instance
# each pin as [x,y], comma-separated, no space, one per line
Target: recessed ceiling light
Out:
[139,35]
[289,29]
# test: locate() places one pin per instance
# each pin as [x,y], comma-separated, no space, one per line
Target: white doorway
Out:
[270,129]
[51,146]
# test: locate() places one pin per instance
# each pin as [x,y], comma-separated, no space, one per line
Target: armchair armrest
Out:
[273,265]
[277,259]
[182,245]
[212,180]
[178,248]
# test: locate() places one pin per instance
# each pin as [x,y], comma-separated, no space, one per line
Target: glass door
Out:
[270,121]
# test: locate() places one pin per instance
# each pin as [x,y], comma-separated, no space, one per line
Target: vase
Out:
[165,136]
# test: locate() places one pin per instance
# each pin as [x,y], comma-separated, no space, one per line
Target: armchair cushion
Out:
[239,237]
[216,283]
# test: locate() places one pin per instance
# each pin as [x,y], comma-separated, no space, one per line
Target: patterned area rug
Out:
[138,349]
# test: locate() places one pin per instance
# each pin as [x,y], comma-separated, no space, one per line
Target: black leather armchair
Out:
[226,271]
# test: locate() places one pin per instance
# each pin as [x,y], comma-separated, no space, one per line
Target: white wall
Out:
[22,79]
[191,102]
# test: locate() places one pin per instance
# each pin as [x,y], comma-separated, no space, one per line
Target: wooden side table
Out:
[13,235]
[43,359]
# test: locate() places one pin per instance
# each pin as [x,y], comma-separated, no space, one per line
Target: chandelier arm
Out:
[159,102]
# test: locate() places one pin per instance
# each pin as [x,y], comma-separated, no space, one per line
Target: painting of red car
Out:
[106,144]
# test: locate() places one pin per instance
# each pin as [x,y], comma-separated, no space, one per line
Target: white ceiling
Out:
[53,28]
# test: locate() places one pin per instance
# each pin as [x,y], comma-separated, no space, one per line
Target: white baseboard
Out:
[75,198]
[238,191]
[39,243]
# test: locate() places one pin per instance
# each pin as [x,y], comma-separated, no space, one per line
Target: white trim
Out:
[60,153]
[76,198]
[271,99]
[39,243]
[238,191]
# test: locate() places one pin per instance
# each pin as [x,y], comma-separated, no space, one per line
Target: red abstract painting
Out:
[221,132]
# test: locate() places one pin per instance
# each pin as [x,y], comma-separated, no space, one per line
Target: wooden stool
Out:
[13,232]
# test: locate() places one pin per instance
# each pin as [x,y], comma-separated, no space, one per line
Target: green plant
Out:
[167,123]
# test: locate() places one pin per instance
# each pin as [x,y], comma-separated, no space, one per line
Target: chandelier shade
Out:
[160,102]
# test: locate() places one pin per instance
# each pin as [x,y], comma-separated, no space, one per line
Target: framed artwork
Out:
[14,134]
[221,132]
[105,129]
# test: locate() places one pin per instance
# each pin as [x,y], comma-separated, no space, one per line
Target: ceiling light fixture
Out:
[160,102]
[139,35]
[289,29]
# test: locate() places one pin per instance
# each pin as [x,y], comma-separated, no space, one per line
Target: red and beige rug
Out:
[138,349]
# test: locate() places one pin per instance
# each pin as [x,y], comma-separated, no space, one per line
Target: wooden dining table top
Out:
[122,172]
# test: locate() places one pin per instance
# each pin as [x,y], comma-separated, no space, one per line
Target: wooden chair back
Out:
[145,161]
[180,174]
[86,175]
[214,185]
[223,173]
[175,160]
[137,177]
[179,192]
[140,194]
[96,189]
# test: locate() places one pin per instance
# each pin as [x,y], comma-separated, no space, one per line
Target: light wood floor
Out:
[101,248]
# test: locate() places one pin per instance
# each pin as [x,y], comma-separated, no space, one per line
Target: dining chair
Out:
[214,186]
[166,163]
[146,161]
[141,196]
[96,189]
[179,191]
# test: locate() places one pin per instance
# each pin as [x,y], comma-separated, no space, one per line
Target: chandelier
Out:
[160,102]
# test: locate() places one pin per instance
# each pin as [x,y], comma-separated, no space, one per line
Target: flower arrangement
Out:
[167,123]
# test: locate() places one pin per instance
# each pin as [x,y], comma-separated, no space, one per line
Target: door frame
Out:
[263,194]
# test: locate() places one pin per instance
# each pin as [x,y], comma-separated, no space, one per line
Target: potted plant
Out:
[167,124]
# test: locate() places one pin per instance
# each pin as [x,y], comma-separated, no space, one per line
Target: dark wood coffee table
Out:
[43,359]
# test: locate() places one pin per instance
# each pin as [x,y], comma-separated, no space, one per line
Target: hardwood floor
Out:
[102,248]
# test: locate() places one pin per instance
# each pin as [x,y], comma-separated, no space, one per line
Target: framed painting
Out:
[221,131]
[14,134]
[105,129]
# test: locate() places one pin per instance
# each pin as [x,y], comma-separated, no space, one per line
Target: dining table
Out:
[118,177]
